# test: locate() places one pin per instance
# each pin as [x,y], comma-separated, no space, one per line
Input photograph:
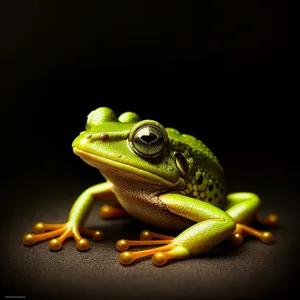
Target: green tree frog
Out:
[161,177]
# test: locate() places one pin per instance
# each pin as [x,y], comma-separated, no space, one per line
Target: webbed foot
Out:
[160,255]
[58,233]
[243,230]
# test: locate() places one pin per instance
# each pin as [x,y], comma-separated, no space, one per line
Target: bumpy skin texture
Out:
[205,179]
[161,177]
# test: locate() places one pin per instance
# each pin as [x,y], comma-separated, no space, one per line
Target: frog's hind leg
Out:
[244,208]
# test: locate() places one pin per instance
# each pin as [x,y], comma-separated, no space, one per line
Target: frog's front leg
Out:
[74,226]
[213,225]
[243,207]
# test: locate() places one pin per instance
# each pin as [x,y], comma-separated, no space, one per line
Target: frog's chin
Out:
[107,166]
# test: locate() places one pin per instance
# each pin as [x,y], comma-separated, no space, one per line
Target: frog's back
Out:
[205,179]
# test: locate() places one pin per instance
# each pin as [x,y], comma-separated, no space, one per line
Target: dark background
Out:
[224,72]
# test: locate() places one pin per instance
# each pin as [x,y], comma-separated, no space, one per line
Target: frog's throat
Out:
[100,161]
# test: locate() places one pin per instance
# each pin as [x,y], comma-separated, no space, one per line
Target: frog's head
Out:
[126,148]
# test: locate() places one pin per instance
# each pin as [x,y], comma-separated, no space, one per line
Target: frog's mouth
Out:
[103,164]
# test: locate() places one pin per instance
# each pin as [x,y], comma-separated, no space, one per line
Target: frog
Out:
[163,178]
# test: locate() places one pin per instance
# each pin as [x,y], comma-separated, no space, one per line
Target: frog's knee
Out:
[244,196]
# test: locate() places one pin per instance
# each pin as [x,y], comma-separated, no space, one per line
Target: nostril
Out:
[104,137]
[98,136]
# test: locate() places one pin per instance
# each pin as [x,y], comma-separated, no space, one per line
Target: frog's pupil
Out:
[149,138]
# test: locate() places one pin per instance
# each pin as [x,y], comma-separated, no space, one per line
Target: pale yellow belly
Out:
[151,210]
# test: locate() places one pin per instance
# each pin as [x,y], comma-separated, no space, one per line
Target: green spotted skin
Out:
[205,177]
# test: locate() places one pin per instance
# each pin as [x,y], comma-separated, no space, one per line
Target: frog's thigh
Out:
[213,225]
[242,207]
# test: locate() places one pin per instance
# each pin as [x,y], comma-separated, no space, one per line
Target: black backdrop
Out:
[224,72]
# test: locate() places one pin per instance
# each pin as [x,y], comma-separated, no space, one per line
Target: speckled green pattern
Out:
[205,179]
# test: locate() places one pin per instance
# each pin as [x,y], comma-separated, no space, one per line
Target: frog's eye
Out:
[181,163]
[148,140]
